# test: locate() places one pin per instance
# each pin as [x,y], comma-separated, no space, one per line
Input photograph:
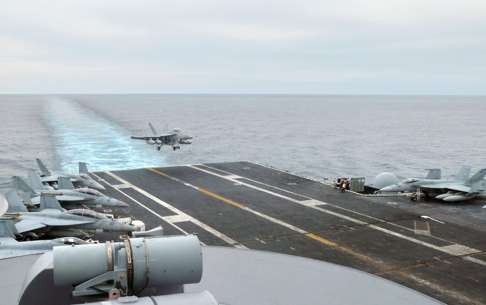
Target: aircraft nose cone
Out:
[121,204]
[128,228]
[454,198]
[97,186]
[115,203]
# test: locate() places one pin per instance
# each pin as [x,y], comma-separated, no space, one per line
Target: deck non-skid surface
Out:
[247,205]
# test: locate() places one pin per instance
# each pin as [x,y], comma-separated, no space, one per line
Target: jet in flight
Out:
[83,179]
[66,193]
[175,138]
[52,220]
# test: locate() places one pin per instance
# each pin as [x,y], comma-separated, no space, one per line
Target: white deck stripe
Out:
[137,202]
[450,249]
[177,212]
[311,201]
[176,218]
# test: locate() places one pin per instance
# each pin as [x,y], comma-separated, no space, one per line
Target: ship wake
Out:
[80,134]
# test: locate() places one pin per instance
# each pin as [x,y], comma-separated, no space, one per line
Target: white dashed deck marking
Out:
[178,212]
[453,250]
[176,218]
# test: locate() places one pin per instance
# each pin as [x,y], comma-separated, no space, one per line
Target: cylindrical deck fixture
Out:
[134,264]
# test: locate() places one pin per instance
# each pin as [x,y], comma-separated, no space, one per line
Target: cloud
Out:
[313,46]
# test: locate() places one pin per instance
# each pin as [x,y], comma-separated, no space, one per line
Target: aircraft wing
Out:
[31,224]
[9,253]
[55,222]
[26,225]
[457,187]
[143,138]
[162,137]
[48,179]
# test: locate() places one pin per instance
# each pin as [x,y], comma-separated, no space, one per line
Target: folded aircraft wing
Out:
[53,222]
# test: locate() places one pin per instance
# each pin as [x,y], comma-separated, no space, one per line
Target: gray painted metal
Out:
[460,188]
[242,277]
[169,261]
[65,193]
[82,179]
[9,247]
[237,277]
[201,298]
[357,184]
[58,221]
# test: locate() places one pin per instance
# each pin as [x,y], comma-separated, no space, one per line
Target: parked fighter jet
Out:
[175,138]
[66,193]
[433,177]
[455,192]
[53,220]
[10,247]
[83,179]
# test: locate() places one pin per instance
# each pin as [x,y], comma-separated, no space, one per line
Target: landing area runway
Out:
[246,205]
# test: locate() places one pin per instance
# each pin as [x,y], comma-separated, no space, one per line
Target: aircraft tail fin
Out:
[15,203]
[154,131]
[83,168]
[43,169]
[433,173]
[49,201]
[478,187]
[20,184]
[477,177]
[64,183]
[35,181]
[7,228]
[463,173]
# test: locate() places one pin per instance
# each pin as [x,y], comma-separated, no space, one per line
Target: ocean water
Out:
[315,136]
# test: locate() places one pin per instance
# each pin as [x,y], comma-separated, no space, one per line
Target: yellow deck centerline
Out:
[381,267]
[224,199]
[321,239]
[315,237]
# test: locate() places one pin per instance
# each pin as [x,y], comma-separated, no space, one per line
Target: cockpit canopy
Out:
[410,180]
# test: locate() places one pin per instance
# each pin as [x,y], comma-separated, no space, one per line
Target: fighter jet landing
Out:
[174,138]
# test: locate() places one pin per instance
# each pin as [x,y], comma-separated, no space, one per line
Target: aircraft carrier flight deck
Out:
[246,205]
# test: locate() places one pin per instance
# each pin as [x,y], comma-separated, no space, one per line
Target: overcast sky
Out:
[247,46]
